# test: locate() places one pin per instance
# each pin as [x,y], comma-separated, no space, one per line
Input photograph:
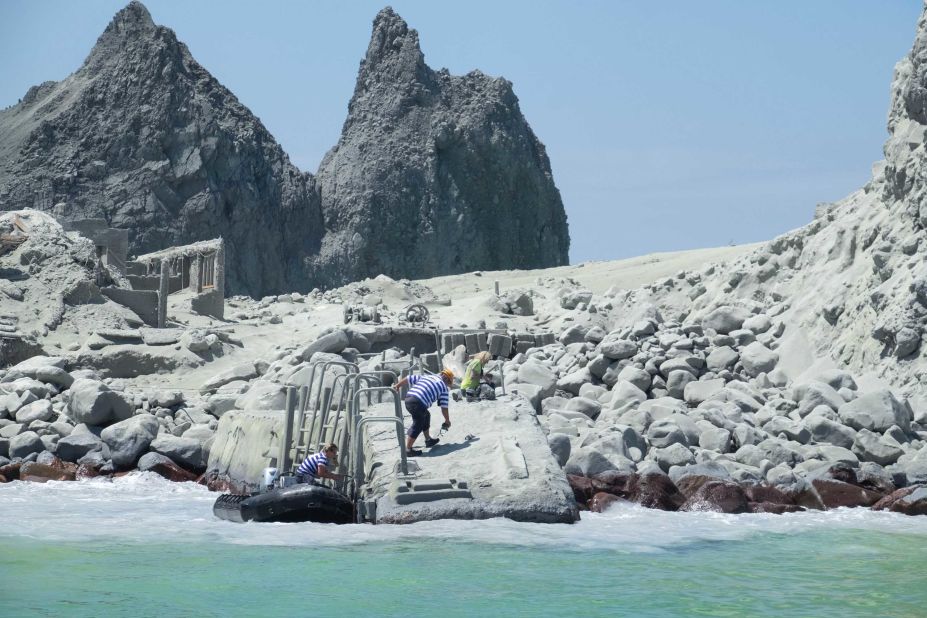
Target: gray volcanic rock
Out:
[145,137]
[434,173]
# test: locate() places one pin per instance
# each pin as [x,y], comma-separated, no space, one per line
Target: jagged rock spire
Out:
[125,29]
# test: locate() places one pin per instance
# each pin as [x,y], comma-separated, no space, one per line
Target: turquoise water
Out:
[144,547]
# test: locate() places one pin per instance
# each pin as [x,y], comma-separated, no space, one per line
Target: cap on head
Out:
[447,375]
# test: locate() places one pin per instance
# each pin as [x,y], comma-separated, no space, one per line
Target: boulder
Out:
[717,496]
[664,433]
[677,381]
[560,446]
[757,359]
[835,494]
[626,396]
[617,349]
[673,455]
[263,395]
[533,372]
[908,501]
[42,473]
[54,375]
[588,461]
[725,319]
[574,380]
[334,343]
[25,444]
[587,407]
[187,452]
[93,403]
[243,372]
[721,358]
[39,410]
[715,439]
[573,334]
[602,501]
[163,466]
[828,431]
[876,411]
[699,391]
[129,439]
[76,445]
[657,491]
[638,377]
[870,446]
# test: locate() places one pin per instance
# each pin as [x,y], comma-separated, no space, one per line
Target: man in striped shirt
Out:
[316,465]
[425,391]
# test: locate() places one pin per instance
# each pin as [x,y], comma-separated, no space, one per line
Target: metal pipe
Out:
[283,459]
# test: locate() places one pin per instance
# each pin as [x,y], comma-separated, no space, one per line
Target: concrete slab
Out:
[505,470]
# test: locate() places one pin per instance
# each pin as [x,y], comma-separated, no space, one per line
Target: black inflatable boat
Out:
[303,502]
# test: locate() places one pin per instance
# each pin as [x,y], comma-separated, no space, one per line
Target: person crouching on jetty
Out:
[317,465]
[424,391]
[474,377]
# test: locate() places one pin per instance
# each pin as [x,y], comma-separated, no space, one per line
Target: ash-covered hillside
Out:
[143,136]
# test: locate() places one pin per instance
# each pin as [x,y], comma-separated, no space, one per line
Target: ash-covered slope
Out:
[434,173]
[851,286]
[145,137]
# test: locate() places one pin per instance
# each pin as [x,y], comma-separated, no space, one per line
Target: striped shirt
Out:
[428,390]
[310,465]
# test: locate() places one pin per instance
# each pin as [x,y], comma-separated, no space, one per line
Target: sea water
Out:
[141,546]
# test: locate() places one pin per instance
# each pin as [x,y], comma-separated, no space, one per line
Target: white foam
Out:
[145,508]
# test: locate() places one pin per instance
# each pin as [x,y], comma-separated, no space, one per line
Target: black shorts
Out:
[421,417]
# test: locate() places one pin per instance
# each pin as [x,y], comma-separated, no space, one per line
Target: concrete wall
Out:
[406,338]
[115,240]
[209,303]
[242,439]
[142,302]
[153,282]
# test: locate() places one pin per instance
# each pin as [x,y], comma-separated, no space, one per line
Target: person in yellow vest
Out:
[474,376]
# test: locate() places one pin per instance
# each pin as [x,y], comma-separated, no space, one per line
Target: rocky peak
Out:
[125,31]
[444,166]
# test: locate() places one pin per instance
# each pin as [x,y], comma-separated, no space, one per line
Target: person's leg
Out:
[426,419]
[415,410]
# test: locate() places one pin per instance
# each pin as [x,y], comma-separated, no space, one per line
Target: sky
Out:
[669,124]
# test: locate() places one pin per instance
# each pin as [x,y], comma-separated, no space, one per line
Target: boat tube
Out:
[296,503]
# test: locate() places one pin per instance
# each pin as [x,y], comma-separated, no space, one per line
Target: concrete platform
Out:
[505,470]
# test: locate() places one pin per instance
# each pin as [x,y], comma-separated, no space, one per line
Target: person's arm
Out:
[325,474]
[447,418]
[398,385]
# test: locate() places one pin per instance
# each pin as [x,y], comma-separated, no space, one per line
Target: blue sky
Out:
[669,125]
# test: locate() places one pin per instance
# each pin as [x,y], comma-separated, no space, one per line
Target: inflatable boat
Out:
[296,503]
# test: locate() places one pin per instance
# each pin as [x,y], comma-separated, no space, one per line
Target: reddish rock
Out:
[804,495]
[657,491]
[87,471]
[42,473]
[583,487]
[835,494]
[222,484]
[773,507]
[902,501]
[11,471]
[601,501]
[767,493]
[172,472]
[614,482]
[717,496]
[691,483]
